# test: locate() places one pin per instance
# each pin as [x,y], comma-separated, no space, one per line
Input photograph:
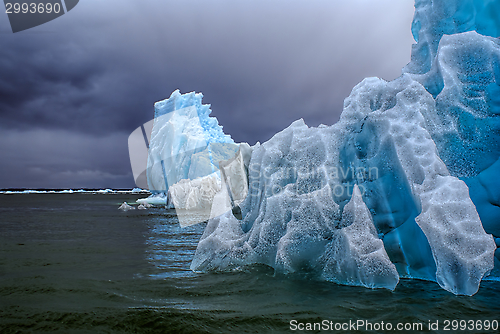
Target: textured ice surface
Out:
[457,59]
[435,18]
[404,185]
[185,142]
[396,140]
[356,255]
[301,180]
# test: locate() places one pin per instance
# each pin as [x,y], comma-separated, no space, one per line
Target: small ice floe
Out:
[156,199]
[144,206]
[125,207]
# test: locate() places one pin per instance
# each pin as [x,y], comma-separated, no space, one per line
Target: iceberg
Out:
[125,207]
[187,155]
[186,143]
[404,185]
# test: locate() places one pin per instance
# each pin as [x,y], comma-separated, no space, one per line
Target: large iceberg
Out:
[405,185]
[187,156]
[186,143]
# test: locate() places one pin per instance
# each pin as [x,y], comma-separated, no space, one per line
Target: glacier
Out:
[404,185]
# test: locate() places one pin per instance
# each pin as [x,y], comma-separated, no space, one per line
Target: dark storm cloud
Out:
[63,159]
[41,87]
[95,73]
[61,85]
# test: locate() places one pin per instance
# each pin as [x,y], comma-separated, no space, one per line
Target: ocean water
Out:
[74,263]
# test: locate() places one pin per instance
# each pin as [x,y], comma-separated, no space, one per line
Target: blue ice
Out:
[405,185]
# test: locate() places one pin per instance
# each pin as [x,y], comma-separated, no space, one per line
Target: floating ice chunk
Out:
[154,199]
[125,207]
[144,206]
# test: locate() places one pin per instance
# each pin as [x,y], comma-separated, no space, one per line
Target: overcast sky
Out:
[73,89]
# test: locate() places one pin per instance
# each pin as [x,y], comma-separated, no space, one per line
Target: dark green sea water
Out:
[73,263]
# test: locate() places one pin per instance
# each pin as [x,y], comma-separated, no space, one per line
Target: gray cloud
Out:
[95,73]
[63,159]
